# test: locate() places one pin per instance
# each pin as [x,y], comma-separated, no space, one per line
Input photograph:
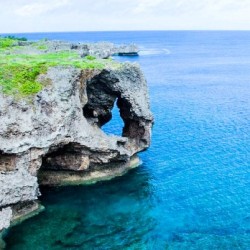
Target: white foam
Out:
[146,52]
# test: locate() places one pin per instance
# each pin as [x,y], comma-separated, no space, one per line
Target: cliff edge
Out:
[51,122]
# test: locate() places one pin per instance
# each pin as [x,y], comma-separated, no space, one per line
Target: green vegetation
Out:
[19,70]
[9,41]
[17,38]
[89,57]
[20,79]
[40,46]
[6,42]
[62,58]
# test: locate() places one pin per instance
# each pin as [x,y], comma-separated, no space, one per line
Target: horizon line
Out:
[89,31]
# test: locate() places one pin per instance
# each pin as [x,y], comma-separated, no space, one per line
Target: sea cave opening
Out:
[64,157]
[116,124]
[105,106]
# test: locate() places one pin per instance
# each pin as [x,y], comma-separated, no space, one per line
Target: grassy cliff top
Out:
[21,62]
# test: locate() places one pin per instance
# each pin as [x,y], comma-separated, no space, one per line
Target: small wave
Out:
[146,52]
[167,51]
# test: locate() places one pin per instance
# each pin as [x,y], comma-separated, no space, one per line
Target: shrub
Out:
[16,38]
[19,71]
[6,43]
[20,79]
[89,57]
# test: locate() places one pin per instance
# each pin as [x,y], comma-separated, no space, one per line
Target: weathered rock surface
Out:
[5,215]
[99,50]
[59,134]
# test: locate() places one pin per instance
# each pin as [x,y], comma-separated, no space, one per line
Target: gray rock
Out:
[5,215]
[61,130]
[98,50]
[105,49]
[126,50]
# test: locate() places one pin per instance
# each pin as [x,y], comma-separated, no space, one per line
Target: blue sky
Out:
[88,15]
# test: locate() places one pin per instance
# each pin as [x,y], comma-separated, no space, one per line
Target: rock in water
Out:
[55,137]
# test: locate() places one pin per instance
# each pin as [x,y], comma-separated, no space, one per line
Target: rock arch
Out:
[61,130]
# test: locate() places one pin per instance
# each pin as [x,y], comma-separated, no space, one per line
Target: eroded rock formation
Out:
[57,138]
[98,50]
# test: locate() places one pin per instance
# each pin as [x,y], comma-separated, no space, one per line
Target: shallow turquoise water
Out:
[192,191]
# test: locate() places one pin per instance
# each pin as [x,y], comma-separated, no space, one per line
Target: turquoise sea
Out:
[193,188]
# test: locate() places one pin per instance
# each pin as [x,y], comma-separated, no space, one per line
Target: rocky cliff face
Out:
[99,50]
[56,138]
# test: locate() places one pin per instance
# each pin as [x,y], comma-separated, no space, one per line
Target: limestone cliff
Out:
[55,137]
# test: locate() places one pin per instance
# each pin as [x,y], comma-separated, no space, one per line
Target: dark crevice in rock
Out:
[133,129]
[75,157]
[23,208]
[101,99]
[66,157]
[7,162]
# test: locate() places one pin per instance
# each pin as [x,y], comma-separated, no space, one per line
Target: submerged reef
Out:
[54,99]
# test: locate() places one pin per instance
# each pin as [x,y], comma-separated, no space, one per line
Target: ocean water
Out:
[193,188]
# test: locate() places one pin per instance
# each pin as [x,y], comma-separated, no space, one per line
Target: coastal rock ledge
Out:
[56,137]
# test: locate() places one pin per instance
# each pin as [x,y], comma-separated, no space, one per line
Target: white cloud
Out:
[34,9]
[145,5]
[83,15]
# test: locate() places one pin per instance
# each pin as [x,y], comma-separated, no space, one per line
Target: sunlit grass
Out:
[19,71]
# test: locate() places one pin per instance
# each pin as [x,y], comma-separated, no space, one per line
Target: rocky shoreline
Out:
[54,136]
[98,50]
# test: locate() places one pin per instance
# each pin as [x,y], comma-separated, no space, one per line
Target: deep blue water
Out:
[192,191]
